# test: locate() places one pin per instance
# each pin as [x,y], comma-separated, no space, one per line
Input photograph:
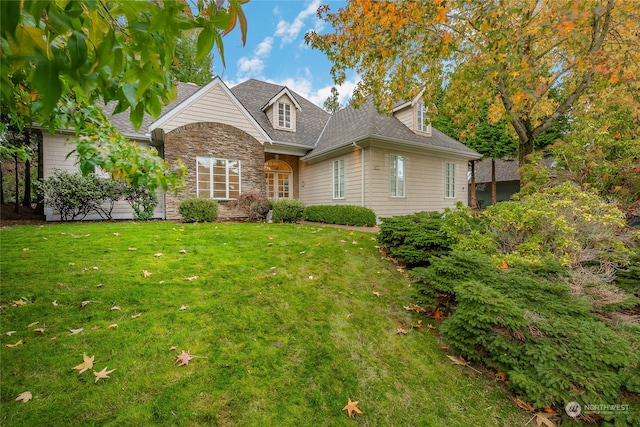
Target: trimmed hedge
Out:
[287,210]
[344,215]
[194,209]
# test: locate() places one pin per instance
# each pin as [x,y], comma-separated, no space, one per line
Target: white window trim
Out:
[339,194]
[393,166]
[449,180]
[227,161]
[285,106]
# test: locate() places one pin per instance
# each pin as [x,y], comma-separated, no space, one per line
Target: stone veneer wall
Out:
[217,140]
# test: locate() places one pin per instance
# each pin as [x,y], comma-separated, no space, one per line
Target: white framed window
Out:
[278,176]
[218,178]
[338,179]
[449,180]
[284,115]
[397,175]
[421,117]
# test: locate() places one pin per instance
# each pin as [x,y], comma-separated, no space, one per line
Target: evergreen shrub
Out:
[344,215]
[196,209]
[287,210]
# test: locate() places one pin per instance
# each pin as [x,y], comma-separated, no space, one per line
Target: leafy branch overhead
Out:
[530,62]
[59,58]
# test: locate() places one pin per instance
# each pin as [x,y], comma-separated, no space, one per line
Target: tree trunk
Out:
[26,200]
[1,186]
[16,208]
[474,199]
[493,182]
[525,148]
[40,200]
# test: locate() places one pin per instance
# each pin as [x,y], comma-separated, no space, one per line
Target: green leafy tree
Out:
[511,55]
[332,104]
[58,58]
[187,67]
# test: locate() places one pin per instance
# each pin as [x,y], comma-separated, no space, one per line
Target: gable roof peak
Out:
[284,91]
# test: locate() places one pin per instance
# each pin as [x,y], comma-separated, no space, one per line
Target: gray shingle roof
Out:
[310,119]
[123,124]
[350,124]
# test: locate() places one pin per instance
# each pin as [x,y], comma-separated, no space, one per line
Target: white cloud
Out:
[249,67]
[304,86]
[289,31]
[264,48]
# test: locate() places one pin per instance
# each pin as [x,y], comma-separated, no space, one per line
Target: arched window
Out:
[278,176]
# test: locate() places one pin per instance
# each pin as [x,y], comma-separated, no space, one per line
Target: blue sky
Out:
[276,52]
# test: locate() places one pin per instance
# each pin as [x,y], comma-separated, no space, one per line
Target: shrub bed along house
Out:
[196,209]
[338,214]
[526,289]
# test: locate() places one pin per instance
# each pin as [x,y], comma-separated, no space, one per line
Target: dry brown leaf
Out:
[132,249]
[173,347]
[55,303]
[40,330]
[112,326]
[102,374]
[25,249]
[18,303]
[146,273]
[84,303]
[352,407]
[32,324]
[543,419]
[76,331]
[9,333]
[158,255]
[504,265]
[501,376]
[376,293]
[14,345]
[401,331]
[458,360]
[191,279]
[25,396]
[115,307]
[524,405]
[95,327]
[116,234]
[135,316]
[183,358]
[183,307]
[87,363]
[417,325]
[182,251]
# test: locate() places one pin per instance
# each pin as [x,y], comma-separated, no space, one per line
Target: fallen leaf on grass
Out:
[95,327]
[505,266]
[102,374]
[173,347]
[458,360]
[146,273]
[25,249]
[40,330]
[183,307]
[376,293]
[9,333]
[115,307]
[524,405]
[183,358]
[87,363]
[501,376]
[84,303]
[76,331]
[401,331]
[24,396]
[132,249]
[191,279]
[14,345]
[437,314]
[32,324]
[18,303]
[417,325]
[542,419]
[352,407]
[135,316]
[116,234]
[182,251]
[55,303]
[112,326]
[158,255]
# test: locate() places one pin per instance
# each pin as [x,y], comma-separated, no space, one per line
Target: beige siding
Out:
[424,186]
[406,116]
[318,181]
[214,106]
[55,150]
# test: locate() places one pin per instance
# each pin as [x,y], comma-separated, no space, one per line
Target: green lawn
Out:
[287,323]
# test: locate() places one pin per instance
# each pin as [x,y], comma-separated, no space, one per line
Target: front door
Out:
[278,176]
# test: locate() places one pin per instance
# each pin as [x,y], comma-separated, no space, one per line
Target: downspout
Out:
[361,172]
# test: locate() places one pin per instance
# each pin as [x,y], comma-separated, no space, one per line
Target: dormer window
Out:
[284,115]
[421,118]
